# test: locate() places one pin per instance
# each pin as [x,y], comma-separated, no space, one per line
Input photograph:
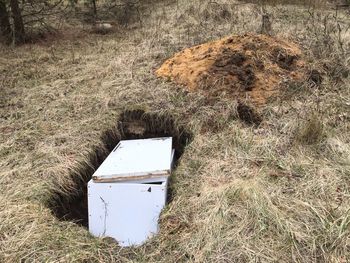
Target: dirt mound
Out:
[248,66]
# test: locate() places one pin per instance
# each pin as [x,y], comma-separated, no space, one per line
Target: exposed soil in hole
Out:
[133,124]
[248,66]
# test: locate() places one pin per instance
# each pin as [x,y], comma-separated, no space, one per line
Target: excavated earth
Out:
[246,66]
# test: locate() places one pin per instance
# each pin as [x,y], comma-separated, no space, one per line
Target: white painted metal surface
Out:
[127,212]
[137,160]
[125,199]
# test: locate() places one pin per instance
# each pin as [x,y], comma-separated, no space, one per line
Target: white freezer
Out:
[128,191]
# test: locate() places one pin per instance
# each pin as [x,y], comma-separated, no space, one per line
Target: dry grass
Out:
[311,131]
[240,193]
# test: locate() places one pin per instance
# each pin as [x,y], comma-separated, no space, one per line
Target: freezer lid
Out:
[137,160]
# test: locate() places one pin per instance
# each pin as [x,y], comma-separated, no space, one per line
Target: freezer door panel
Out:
[126,212]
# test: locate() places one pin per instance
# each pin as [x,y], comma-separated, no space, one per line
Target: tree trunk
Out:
[94,9]
[5,27]
[18,26]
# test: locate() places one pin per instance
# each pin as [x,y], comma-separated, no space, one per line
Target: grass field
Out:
[277,192]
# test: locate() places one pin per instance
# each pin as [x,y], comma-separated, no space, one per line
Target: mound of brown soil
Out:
[249,66]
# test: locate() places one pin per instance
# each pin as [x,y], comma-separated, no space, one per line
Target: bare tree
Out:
[266,24]
[5,27]
[18,26]
[94,8]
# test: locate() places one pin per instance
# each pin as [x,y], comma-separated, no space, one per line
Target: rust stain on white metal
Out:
[132,177]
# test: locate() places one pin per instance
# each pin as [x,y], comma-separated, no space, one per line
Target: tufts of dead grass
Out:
[240,193]
[311,131]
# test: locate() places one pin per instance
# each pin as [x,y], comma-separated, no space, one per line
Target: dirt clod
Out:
[283,59]
[248,114]
[315,77]
[247,66]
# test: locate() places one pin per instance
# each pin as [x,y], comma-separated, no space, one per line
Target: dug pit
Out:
[133,124]
[246,66]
